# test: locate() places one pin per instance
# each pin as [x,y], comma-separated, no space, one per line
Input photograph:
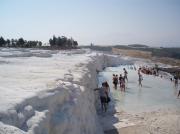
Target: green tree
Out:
[2,42]
[8,42]
[40,43]
[21,42]
[62,42]
[75,44]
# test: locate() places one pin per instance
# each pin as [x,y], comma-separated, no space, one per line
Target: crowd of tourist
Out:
[122,80]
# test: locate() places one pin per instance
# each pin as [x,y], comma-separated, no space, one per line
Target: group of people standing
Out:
[121,80]
[104,90]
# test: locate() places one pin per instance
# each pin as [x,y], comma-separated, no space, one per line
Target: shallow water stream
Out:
[156,92]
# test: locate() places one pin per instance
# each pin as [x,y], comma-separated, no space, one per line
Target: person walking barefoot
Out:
[140,80]
[103,97]
[125,74]
[178,94]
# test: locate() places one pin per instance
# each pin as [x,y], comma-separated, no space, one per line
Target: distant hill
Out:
[99,48]
[166,52]
[138,46]
[132,46]
[158,52]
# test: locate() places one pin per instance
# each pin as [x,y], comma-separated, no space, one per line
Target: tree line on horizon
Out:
[55,42]
[19,43]
[62,42]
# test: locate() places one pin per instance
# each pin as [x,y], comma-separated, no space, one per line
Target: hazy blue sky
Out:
[103,22]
